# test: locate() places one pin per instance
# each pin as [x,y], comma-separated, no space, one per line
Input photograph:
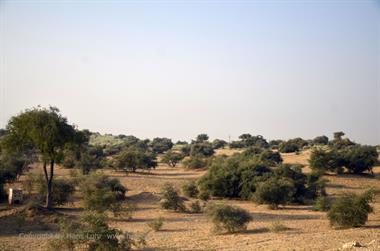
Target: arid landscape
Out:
[307,229]
[189,125]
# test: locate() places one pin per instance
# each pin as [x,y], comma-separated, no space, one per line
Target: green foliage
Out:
[323,204]
[274,191]
[92,233]
[171,199]
[62,189]
[44,131]
[204,195]
[172,158]
[247,140]
[321,140]
[360,158]
[274,144]
[232,177]
[194,162]
[202,138]
[195,207]
[201,149]
[326,160]
[100,193]
[218,143]
[160,145]
[351,210]
[292,145]
[356,158]
[229,218]
[190,189]
[239,176]
[156,224]
[133,158]
[11,167]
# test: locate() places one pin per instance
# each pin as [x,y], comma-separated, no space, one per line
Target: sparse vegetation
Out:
[351,210]
[190,189]
[171,199]
[156,224]
[228,218]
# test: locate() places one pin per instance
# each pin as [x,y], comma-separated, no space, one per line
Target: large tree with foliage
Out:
[133,158]
[45,131]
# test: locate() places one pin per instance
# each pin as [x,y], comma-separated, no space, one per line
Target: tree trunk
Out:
[49,183]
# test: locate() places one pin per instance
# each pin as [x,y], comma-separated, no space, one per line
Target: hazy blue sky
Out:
[168,68]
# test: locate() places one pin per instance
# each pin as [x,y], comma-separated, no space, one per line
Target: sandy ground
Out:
[308,230]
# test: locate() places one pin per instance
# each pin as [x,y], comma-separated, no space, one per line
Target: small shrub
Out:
[322,203]
[101,193]
[171,199]
[277,226]
[204,195]
[190,189]
[62,190]
[194,162]
[274,191]
[195,207]
[351,210]
[229,218]
[156,224]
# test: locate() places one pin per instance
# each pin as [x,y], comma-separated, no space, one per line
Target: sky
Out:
[281,69]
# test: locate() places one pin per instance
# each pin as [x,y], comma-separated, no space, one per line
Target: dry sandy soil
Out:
[308,230]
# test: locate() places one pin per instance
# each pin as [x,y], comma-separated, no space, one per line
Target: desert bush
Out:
[360,158]
[133,158]
[172,158]
[156,224]
[288,147]
[277,226]
[274,191]
[218,143]
[101,193]
[322,203]
[92,233]
[62,189]
[190,189]
[229,218]
[201,148]
[160,145]
[194,162]
[171,199]
[321,140]
[351,210]
[326,160]
[204,195]
[356,159]
[239,176]
[195,207]
[232,177]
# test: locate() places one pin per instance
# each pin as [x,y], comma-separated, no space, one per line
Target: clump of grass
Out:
[156,224]
[277,226]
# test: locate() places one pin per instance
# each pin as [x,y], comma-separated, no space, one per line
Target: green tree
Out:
[47,132]
[321,140]
[218,143]
[360,158]
[202,138]
[160,145]
[133,158]
[172,158]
